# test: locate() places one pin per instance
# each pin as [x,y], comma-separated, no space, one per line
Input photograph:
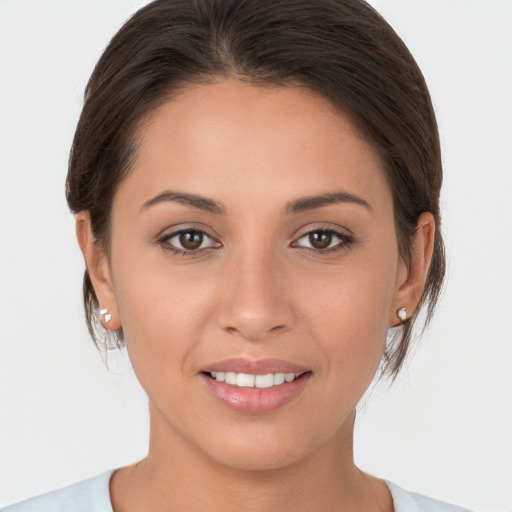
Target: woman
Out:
[256,189]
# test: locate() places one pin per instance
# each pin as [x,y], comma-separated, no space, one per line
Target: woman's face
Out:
[254,235]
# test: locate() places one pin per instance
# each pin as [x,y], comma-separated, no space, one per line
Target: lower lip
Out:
[255,400]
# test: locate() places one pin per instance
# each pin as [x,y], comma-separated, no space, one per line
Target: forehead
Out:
[233,137]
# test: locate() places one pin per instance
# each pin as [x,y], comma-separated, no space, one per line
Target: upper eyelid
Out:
[320,225]
[169,232]
[172,234]
[324,230]
[340,232]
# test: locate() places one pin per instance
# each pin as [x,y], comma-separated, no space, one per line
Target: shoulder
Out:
[91,495]
[406,501]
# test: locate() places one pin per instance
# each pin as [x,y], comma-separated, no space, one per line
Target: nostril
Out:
[252,319]
[254,332]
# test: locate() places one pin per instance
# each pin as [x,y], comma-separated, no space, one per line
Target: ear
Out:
[98,267]
[412,277]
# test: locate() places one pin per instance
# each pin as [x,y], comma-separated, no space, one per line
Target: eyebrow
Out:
[194,200]
[296,206]
[316,201]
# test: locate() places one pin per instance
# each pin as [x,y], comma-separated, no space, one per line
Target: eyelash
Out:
[344,241]
[164,242]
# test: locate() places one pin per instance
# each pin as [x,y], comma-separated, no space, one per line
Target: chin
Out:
[256,458]
[260,449]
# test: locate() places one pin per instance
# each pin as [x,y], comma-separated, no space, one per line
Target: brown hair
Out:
[342,49]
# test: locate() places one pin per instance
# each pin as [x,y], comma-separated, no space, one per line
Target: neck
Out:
[177,476]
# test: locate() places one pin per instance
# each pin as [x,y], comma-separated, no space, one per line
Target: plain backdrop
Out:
[444,428]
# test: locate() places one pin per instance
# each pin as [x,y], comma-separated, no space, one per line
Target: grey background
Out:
[443,429]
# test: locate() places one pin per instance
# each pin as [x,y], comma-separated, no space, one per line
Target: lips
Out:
[257,367]
[255,387]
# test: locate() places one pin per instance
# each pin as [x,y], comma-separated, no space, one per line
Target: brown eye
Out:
[320,239]
[191,240]
[324,240]
[188,241]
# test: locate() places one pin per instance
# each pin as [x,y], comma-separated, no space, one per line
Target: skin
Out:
[256,288]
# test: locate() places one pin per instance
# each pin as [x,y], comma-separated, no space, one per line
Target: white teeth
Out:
[248,380]
[245,380]
[278,379]
[230,378]
[264,381]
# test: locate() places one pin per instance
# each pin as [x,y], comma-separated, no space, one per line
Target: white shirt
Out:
[93,495]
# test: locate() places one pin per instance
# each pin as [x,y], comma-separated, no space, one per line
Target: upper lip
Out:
[254,367]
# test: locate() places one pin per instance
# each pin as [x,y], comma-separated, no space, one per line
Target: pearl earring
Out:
[107,316]
[402,314]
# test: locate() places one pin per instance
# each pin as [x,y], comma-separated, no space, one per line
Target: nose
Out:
[255,303]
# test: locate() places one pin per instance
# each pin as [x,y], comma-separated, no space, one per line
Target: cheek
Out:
[348,317]
[164,309]
[348,311]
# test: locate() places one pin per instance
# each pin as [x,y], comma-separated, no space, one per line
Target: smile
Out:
[248,380]
[255,386]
